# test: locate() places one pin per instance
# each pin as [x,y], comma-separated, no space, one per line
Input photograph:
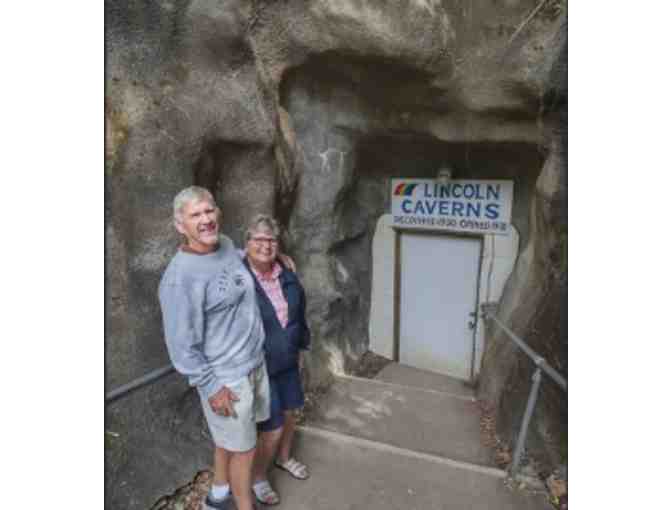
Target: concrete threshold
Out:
[384,447]
[408,387]
[405,375]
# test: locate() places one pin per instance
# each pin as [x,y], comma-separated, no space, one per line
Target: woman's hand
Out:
[287,261]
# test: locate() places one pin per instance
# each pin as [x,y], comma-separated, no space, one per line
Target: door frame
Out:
[398,231]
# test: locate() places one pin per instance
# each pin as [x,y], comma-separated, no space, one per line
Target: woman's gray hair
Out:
[188,195]
[262,220]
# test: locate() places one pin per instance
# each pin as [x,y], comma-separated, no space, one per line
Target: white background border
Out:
[51,272]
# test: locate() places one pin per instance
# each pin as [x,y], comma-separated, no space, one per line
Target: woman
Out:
[281,299]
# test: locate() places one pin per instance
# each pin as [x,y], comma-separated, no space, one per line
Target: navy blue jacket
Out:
[282,344]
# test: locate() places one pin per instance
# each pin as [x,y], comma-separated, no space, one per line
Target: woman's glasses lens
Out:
[263,240]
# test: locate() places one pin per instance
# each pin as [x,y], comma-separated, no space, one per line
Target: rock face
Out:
[305,109]
[535,304]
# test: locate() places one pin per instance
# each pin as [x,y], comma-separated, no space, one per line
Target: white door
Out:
[438,292]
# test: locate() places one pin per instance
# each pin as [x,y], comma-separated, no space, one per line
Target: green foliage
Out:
[564,252]
[110,438]
[116,133]
[564,447]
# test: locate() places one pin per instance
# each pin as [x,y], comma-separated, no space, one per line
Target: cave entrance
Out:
[438,296]
[432,273]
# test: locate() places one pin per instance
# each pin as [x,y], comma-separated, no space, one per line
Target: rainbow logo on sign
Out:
[405,190]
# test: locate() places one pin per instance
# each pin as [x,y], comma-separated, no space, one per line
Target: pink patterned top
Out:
[270,282]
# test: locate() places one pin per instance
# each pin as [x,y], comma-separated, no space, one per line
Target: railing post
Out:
[529,408]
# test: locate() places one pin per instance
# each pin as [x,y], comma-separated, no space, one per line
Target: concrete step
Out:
[410,376]
[422,420]
[356,474]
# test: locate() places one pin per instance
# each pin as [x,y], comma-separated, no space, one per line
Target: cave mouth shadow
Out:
[377,160]
[407,87]
[380,158]
[241,177]
[217,156]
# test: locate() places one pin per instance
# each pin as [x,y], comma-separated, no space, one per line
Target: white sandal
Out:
[294,468]
[265,493]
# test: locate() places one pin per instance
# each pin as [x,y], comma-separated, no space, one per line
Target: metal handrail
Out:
[138,383]
[538,360]
[542,367]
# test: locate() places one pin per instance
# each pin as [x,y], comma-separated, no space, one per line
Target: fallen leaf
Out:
[556,486]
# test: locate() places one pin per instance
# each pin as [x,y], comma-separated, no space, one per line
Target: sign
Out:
[482,207]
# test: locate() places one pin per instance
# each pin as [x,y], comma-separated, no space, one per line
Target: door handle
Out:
[472,324]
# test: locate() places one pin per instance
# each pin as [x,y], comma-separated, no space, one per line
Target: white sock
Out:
[219,491]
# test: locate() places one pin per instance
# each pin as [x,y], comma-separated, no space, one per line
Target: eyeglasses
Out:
[265,240]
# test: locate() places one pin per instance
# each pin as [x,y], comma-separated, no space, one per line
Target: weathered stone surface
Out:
[535,304]
[155,441]
[306,109]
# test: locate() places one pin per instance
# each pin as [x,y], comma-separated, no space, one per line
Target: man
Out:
[214,334]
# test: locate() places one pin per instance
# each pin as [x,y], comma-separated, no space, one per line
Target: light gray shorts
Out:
[239,434]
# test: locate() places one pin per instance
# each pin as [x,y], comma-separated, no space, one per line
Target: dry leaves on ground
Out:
[189,497]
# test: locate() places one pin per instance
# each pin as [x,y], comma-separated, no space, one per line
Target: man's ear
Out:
[178,226]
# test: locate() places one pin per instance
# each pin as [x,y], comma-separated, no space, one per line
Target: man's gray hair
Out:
[259,221]
[188,195]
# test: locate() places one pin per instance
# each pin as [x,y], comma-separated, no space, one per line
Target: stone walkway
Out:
[379,444]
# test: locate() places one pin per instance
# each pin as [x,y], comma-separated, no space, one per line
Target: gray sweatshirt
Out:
[213,328]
